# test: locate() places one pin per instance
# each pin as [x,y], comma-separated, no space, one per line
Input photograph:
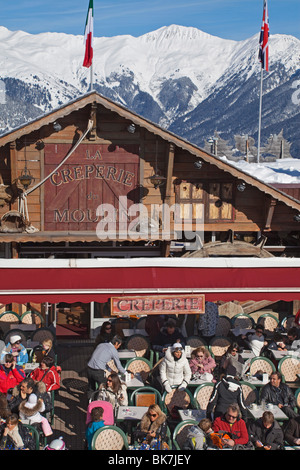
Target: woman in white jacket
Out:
[174,369]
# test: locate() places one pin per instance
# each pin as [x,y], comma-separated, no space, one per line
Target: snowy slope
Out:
[166,76]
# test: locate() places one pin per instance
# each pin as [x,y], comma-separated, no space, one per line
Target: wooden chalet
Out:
[57,170]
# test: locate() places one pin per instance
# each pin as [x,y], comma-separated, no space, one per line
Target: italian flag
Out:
[88,36]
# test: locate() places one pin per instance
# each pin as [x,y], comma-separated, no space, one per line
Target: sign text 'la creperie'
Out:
[158,305]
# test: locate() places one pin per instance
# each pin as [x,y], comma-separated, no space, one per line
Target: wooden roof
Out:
[94,97]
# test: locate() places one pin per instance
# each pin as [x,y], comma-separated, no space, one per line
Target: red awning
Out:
[81,280]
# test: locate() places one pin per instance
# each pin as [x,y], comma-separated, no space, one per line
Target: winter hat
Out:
[13,339]
[31,401]
[177,346]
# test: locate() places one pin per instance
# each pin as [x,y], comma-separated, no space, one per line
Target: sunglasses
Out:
[108,380]
[153,415]
[231,416]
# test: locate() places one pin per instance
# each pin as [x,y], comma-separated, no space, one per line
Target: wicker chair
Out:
[223,326]
[139,365]
[7,318]
[269,322]
[261,364]
[32,318]
[242,320]
[250,394]
[139,343]
[181,431]
[218,346]
[109,438]
[181,399]
[289,367]
[119,324]
[145,396]
[41,334]
[195,342]
[202,395]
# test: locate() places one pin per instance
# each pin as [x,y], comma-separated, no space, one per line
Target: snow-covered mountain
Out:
[181,78]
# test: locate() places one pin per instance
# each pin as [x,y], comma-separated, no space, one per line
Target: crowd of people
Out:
[227,423]
[25,397]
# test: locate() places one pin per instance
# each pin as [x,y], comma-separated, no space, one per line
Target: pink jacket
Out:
[208,365]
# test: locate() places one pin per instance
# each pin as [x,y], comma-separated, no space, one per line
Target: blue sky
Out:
[229,19]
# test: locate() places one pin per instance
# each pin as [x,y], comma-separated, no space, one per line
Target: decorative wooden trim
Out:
[270,213]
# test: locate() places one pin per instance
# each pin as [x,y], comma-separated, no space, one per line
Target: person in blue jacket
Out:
[17,349]
[96,423]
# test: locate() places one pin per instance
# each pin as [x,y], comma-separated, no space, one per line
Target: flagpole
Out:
[260,110]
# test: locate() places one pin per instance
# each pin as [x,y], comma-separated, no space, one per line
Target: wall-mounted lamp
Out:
[198,164]
[297,217]
[131,128]
[241,186]
[26,178]
[57,127]
[156,179]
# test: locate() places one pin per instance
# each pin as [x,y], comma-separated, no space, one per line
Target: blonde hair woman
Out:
[153,425]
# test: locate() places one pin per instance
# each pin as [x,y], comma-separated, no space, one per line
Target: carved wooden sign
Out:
[158,305]
[92,175]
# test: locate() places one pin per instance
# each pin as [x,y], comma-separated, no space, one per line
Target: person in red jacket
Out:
[233,425]
[10,374]
[47,373]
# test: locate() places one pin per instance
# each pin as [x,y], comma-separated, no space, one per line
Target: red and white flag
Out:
[264,39]
[88,36]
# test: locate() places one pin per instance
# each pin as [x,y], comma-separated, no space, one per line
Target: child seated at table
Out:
[96,423]
[199,437]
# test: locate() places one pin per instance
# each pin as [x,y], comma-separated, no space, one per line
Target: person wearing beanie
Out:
[174,369]
[30,413]
[17,349]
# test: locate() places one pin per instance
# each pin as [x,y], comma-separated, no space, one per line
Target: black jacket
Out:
[163,340]
[282,395]
[7,443]
[225,392]
[292,431]
[268,437]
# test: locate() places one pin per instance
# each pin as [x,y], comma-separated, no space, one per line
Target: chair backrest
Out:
[32,318]
[269,322]
[297,397]
[289,367]
[139,365]
[7,318]
[178,398]
[108,411]
[195,342]
[41,334]
[181,431]
[119,324]
[15,331]
[223,326]
[202,395]
[145,396]
[219,345]
[109,438]
[288,322]
[35,435]
[250,394]
[242,320]
[261,364]
[140,323]
[139,343]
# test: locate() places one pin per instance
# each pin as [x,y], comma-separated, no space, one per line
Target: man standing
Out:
[98,363]
[280,394]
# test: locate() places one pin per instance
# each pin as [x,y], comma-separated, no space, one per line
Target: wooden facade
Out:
[111,163]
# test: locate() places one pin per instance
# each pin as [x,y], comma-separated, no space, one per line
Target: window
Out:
[211,200]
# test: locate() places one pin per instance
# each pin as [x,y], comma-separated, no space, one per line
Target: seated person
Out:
[232,424]
[280,394]
[227,391]
[265,433]
[96,423]
[256,341]
[105,335]
[17,349]
[46,349]
[232,361]
[113,390]
[292,432]
[47,373]
[14,435]
[153,425]
[10,374]
[174,369]
[291,342]
[23,390]
[168,335]
[30,413]
[198,437]
[202,362]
